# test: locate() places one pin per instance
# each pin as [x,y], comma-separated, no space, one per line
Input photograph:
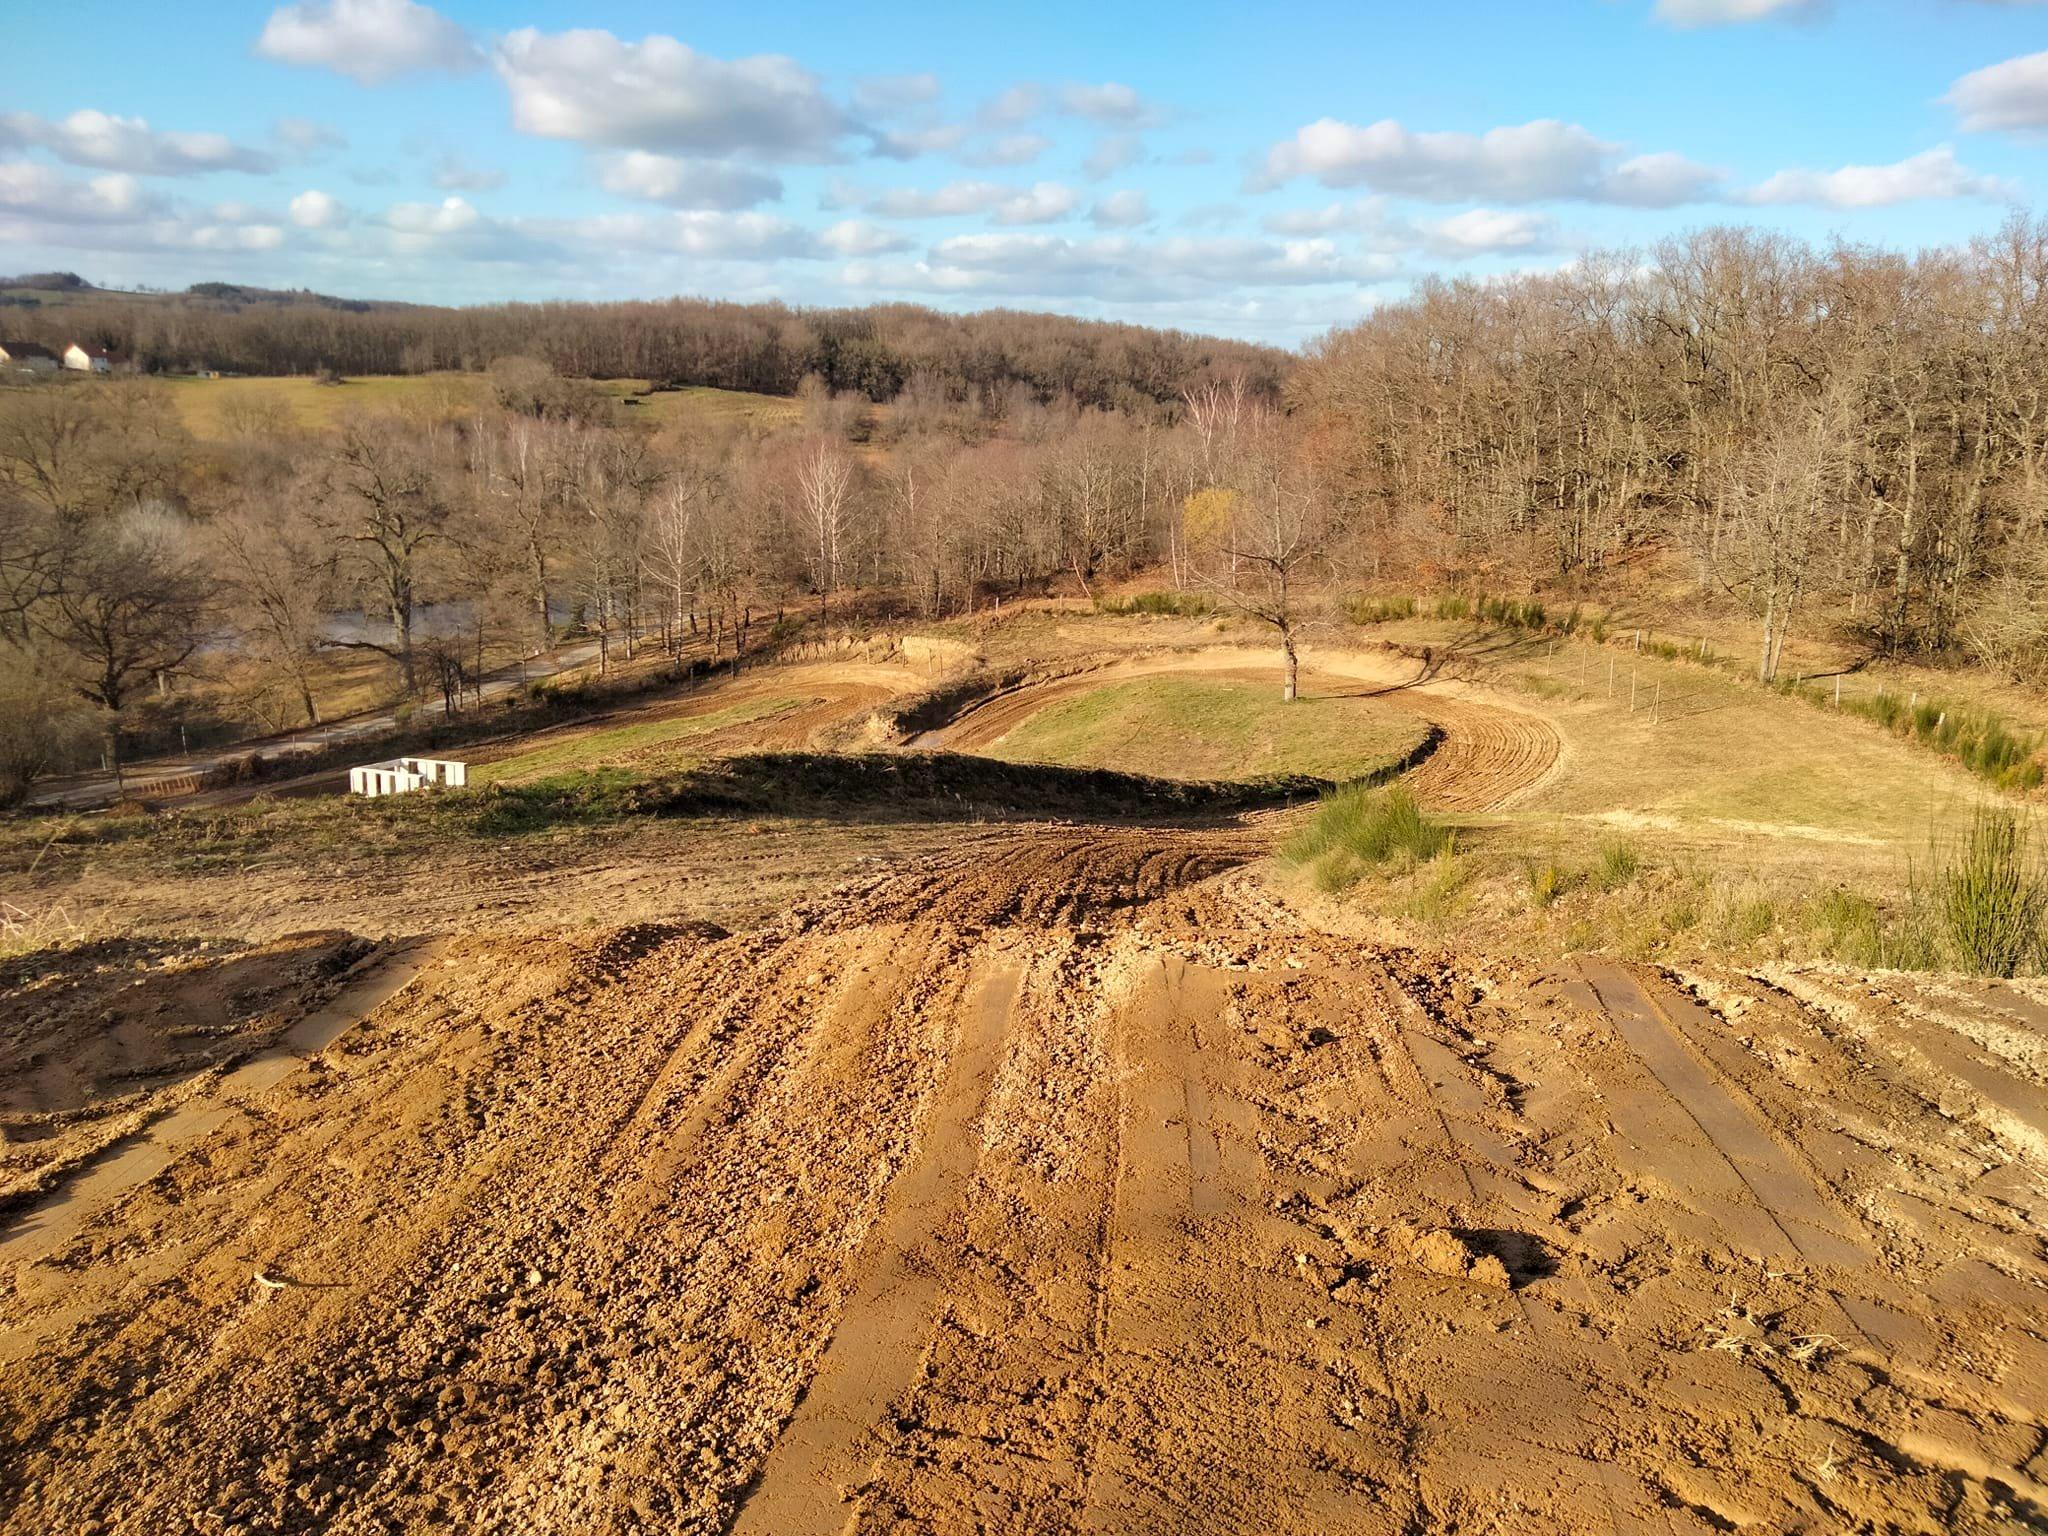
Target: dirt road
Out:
[1072,1182]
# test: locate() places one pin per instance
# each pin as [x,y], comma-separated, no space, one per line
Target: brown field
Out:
[917,1163]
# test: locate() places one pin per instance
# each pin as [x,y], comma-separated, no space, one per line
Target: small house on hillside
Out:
[82,359]
[27,357]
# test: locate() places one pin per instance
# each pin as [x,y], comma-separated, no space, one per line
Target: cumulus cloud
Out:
[452,173]
[686,183]
[313,209]
[1531,162]
[1112,152]
[39,192]
[1015,105]
[706,233]
[1488,231]
[306,139]
[857,237]
[660,94]
[128,144]
[1041,203]
[1723,13]
[909,143]
[1931,174]
[893,93]
[1476,232]
[1012,149]
[1121,210]
[370,41]
[2003,96]
[1119,267]
[1106,103]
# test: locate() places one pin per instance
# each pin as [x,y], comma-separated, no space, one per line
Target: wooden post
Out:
[1838,690]
[1610,677]
[1631,690]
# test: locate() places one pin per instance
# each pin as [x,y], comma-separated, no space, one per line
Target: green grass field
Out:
[1190,728]
[648,742]
[207,405]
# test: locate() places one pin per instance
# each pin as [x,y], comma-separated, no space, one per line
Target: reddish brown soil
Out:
[1069,1182]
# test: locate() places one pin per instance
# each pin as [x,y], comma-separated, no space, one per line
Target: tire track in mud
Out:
[873,1357]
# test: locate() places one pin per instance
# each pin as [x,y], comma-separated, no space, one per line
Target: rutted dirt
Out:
[1070,1182]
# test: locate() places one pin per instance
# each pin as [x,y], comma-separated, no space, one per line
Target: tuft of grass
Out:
[1994,894]
[1356,830]
[1439,893]
[1548,880]
[1618,864]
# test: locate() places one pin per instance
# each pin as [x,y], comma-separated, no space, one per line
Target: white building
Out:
[402,775]
[27,357]
[88,359]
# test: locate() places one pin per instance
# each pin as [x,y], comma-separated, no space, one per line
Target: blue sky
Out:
[1265,174]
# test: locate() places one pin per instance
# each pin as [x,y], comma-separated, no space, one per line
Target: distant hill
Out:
[881,351]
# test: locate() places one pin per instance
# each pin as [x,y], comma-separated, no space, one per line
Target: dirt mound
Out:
[1064,1182]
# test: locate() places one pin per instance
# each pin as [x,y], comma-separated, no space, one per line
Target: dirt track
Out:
[1070,1184]
[1070,1180]
[1493,750]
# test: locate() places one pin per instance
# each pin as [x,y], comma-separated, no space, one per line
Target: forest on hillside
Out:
[1838,435]
[876,352]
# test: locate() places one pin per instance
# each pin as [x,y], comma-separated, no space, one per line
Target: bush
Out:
[1174,604]
[1358,829]
[1994,895]
[1452,607]
[1378,610]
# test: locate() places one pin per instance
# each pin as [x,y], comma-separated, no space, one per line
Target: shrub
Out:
[1451,606]
[1361,828]
[1994,895]
[1172,604]
[1378,610]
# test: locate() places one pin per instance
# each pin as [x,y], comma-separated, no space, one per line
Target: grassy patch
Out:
[1378,610]
[1173,604]
[1358,830]
[1189,728]
[644,738]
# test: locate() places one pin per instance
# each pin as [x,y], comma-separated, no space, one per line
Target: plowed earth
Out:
[1069,1181]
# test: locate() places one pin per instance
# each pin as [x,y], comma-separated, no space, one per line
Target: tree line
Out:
[1842,425]
[877,352]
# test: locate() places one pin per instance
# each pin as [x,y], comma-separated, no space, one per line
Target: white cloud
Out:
[38,192]
[1015,105]
[1112,152]
[1106,103]
[892,93]
[1531,162]
[686,183]
[452,173]
[1932,173]
[1012,149]
[2009,95]
[1485,231]
[317,210]
[857,237]
[450,216]
[370,41]
[661,94]
[701,232]
[308,140]
[1121,210]
[1041,203]
[128,144]
[1722,13]
[909,143]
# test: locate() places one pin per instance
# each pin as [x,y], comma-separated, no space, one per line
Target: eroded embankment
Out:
[1068,1183]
